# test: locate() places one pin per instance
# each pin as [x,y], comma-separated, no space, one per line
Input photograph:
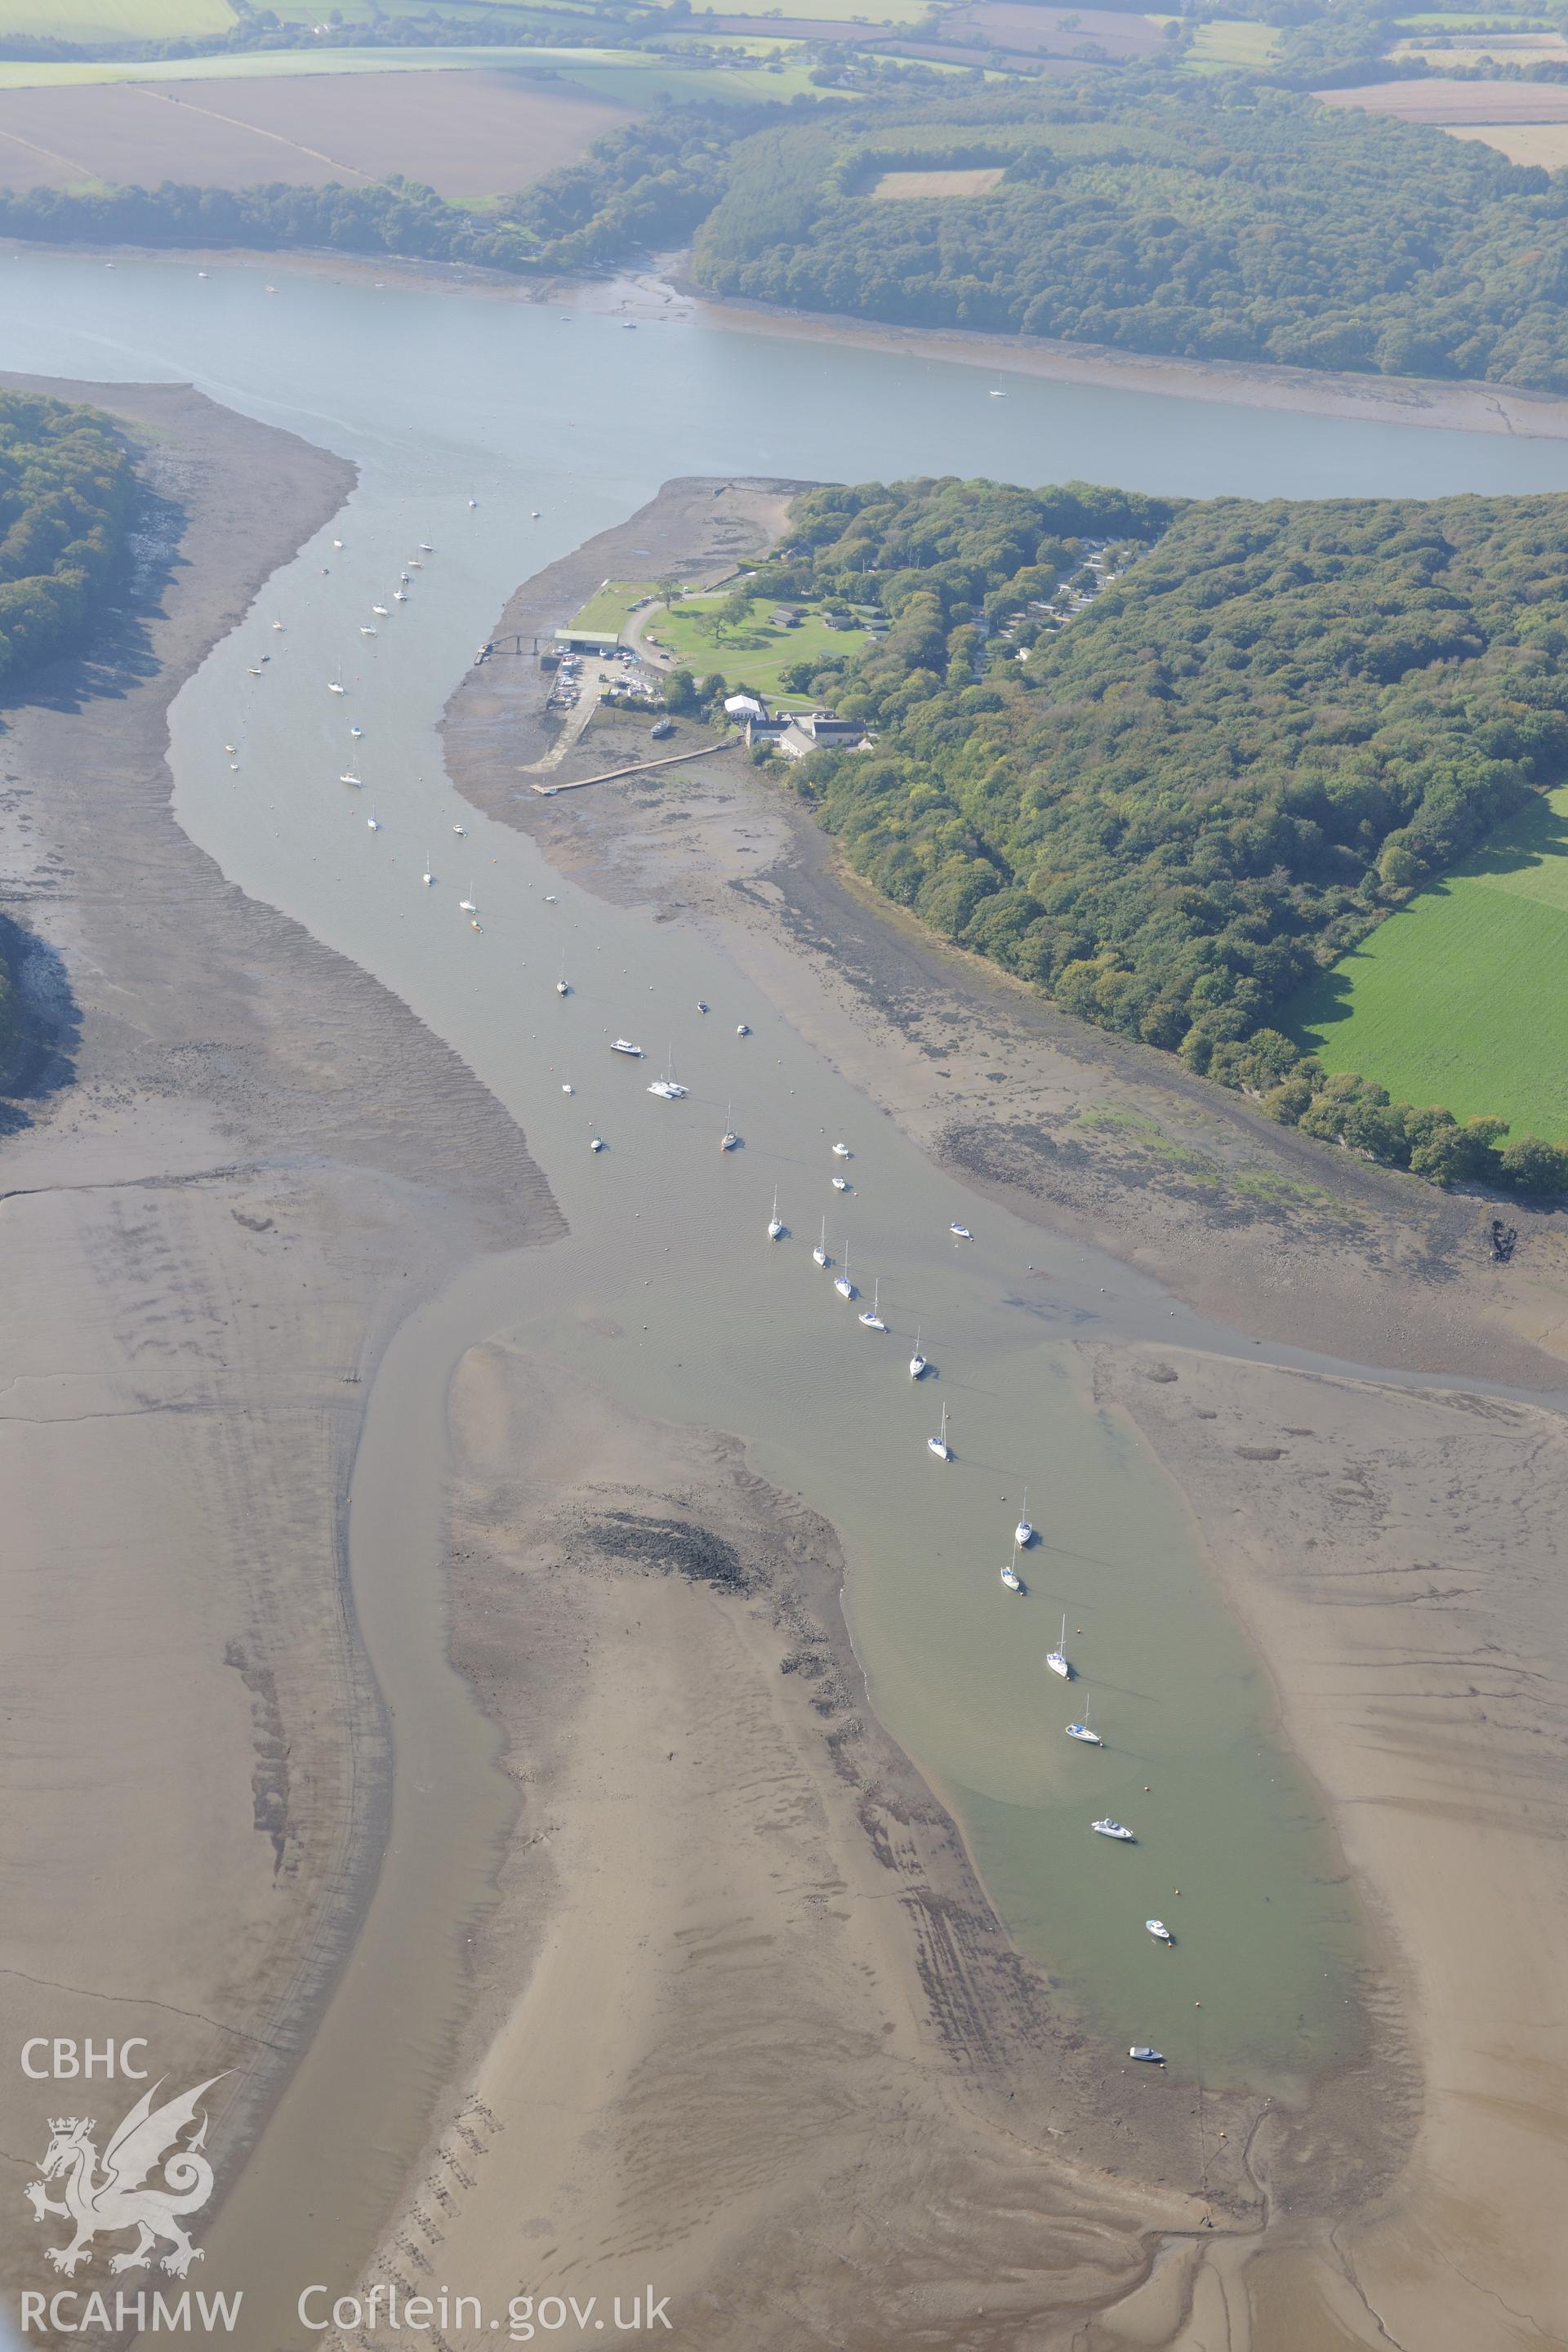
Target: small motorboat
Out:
[1057,1660]
[1158,1930]
[380,611]
[337,543]
[357,731]
[1081,1731]
[744,1029]
[367,633]
[414,564]
[533,514]
[700,1006]
[842,1151]
[474,925]
[1011,1577]
[550,900]
[403,576]
[459,830]
[234,767]
[1150,2057]
[597,1144]
[349,777]
[568,1091]
[917,1361]
[959,1233]
[625,1046]
[841,1282]
[231,748]
[374,823]
[841,1183]
[256,673]
[400,595]
[939,1445]
[775,1222]
[820,1252]
[1107,1828]
[1024,1534]
[333,688]
[473,502]
[872,1318]
[278,624]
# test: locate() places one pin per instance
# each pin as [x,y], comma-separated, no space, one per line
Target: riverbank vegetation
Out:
[1203,219]
[65,490]
[1175,802]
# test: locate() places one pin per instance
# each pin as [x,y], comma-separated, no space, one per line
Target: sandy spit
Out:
[1390,1551]
[231,1163]
[747,2028]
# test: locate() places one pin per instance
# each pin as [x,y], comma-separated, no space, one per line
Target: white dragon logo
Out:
[118,2200]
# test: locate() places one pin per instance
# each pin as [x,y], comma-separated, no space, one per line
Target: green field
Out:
[1462,997]
[755,651]
[1233,42]
[608,607]
[116,20]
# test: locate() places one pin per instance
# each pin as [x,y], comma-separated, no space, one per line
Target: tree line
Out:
[1175,807]
[65,493]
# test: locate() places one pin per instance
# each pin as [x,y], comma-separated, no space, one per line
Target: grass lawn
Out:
[1461,998]
[756,652]
[609,606]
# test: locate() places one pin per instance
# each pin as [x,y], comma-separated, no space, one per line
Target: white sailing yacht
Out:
[820,1252]
[872,1318]
[1057,1659]
[469,905]
[562,987]
[939,1445]
[775,1222]
[667,1087]
[842,1151]
[1024,1534]
[1081,1731]
[729,1140]
[428,877]
[842,1283]
[917,1361]
[1011,1577]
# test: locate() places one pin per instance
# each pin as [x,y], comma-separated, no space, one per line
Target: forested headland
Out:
[1209,220]
[1173,802]
[65,491]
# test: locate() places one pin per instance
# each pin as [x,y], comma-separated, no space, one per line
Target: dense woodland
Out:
[1214,220]
[1174,807]
[65,490]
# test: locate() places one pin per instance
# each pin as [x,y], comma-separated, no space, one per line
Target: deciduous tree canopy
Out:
[1215,776]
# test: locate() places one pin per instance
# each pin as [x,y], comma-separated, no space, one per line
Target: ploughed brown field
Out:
[1545,144]
[1445,102]
[977,183]
[464,134]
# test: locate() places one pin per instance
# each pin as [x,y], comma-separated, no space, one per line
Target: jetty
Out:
[640,768]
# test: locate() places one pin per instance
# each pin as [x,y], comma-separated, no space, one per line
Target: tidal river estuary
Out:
[444,398]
